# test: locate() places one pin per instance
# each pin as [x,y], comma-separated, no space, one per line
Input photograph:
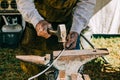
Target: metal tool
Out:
[60,33]
[69,62]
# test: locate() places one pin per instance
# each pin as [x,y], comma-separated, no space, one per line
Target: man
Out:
[42,14]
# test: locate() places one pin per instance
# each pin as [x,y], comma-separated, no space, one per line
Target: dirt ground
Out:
[97,69]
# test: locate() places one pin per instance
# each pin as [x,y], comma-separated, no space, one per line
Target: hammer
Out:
[60,33]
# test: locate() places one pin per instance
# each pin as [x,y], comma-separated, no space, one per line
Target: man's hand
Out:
[42,28]
[71,40]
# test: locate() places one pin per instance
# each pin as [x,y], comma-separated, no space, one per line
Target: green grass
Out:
[10,66]
[100,71]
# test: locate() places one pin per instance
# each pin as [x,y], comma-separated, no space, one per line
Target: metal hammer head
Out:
[60,33]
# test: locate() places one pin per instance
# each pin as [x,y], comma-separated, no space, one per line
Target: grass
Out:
[97,70]
[101,71]
[9,66]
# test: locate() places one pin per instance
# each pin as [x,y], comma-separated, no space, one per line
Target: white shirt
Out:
[82,13]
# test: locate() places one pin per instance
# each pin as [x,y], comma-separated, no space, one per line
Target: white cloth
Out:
[107,19]
[82,13]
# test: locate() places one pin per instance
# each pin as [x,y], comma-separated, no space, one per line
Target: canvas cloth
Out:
[106,19]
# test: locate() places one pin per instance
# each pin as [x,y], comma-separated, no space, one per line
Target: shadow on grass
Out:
[10,66]
[100,71]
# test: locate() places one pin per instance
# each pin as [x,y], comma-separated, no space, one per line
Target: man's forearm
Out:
[28,11]
[82,14]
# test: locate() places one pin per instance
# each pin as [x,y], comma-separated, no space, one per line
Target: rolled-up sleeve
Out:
[82,13]
[28,11]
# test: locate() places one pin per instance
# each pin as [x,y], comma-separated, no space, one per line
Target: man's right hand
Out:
[41,29]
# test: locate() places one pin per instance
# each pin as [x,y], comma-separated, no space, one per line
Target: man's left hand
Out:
[71,40]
